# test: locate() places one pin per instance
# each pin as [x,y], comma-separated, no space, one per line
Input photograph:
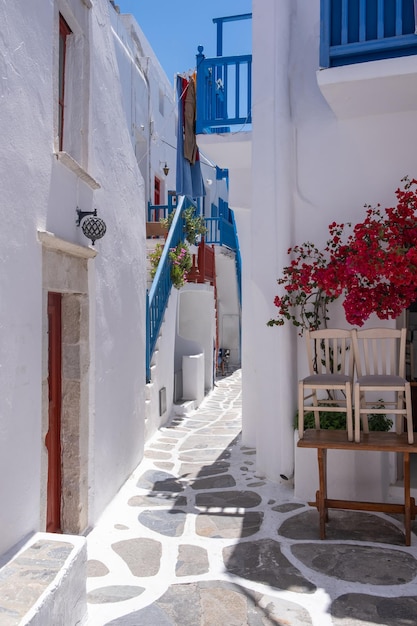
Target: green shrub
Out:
[336,420]
[194,225]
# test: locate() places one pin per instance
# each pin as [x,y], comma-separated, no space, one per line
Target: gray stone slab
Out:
[25,578]
[343,526]
[263,562]
[192,561]
[113,593]
[157,480]
[192,470]
[229,526]
[141,555]
[153,499]
[357,563]
[158,445]
[203,456]
[216,603]
[214,482]
[96,568]
[169,523]
[287,507]
[164,465]
[156,454]
[152,615]
[357,609]
[245,499]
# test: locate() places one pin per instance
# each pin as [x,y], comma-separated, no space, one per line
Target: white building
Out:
[324,142]
[92,434]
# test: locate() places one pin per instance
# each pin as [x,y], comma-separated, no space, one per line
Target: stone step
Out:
[184,408]
[45,582]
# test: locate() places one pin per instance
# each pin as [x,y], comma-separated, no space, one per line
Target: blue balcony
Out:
[224,87]
[355,31]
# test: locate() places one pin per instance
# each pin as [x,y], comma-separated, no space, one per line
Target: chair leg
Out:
[322,493]
[407,500]
[409,416]
[349,413]
[400,417]
[300,410]
[364,415]
[316,413]
[357,404]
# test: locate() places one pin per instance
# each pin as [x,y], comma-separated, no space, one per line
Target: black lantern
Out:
[92,226]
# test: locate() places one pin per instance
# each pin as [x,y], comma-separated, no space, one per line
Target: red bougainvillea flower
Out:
[372,265]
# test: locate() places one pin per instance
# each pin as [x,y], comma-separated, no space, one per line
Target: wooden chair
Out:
[329,385]
[380,368]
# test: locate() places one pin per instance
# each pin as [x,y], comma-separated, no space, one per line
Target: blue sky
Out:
[175,28]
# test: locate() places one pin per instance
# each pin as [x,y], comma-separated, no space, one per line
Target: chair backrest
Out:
[330,351]
[380,351]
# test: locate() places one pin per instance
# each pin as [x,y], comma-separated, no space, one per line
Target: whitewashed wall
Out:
[310,166]
[150,108]
[40,193]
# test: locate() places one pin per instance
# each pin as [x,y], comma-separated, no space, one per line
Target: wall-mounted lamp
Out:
[93,227]
[165,169]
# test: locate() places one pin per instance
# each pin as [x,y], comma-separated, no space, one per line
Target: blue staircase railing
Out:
[158,295]
[238,260]
[354,31]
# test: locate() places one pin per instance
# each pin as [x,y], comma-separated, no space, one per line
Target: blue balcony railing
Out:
[355,31]
[224,86]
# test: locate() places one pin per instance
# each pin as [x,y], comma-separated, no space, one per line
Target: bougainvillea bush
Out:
[371,265]
[180,259]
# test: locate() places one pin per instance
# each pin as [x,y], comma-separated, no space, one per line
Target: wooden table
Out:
[325,440]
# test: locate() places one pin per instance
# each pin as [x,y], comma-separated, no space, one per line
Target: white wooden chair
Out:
[329,385]
[380,368]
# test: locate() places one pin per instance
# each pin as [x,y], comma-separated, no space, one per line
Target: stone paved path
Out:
[197,538]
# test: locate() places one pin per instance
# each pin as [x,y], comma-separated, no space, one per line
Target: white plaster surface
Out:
[114,85]
[313,162]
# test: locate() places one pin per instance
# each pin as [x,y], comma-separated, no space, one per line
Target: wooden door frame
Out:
[53,436]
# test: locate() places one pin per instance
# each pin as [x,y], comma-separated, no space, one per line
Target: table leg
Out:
[407,501]
[322,493]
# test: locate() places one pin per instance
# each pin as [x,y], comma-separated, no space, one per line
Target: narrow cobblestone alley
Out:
[196,538]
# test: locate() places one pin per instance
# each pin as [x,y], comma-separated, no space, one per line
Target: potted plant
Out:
[194,225]
[181,262]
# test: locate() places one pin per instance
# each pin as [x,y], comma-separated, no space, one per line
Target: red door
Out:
[53,436]
[157,196]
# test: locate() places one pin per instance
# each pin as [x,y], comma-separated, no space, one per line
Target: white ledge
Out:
[371,88]
[67,160]
[50,241]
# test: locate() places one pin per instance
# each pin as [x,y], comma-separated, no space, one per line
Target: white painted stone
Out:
[193,377]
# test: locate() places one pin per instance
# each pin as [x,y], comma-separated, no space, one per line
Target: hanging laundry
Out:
[190,142]
[189,177]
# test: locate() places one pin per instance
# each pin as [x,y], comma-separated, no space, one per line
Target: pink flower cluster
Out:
[372,265]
